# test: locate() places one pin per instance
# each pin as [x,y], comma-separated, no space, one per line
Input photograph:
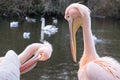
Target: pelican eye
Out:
[68,16]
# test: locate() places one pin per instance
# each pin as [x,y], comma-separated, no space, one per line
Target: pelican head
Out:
[75,14]
[45,51]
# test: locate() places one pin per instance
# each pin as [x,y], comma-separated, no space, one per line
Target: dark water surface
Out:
[60,65]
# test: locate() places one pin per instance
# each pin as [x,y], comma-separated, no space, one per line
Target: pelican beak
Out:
[74,24]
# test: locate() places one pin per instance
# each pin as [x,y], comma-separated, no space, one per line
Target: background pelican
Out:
[91,67]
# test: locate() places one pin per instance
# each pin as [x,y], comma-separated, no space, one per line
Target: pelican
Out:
[48,29]
[40,52]
[92,66]
[14,24]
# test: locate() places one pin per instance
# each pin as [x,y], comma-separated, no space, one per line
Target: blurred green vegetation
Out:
[22,8]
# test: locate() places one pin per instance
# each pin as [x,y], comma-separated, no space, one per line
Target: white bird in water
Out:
[14,24]
[55,21]
[26,35]
[48,28]
[28,19]
[96,40]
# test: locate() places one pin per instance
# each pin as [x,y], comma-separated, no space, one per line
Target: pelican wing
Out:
[9,68]
[104,68]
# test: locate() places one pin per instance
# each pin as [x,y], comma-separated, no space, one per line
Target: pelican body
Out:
[9,67]
[92,66]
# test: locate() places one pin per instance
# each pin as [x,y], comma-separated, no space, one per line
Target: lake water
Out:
[60,66]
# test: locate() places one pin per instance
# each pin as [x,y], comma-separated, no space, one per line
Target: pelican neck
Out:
[89,46]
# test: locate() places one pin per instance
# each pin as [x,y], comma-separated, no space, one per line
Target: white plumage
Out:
[30,19]
[26,35]
[48,29]
[9,67]
[14,24]
[96,40]
[55,21]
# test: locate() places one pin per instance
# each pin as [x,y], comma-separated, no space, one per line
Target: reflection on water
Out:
[60,65]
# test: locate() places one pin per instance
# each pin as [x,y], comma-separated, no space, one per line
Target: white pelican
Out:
[9,67]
